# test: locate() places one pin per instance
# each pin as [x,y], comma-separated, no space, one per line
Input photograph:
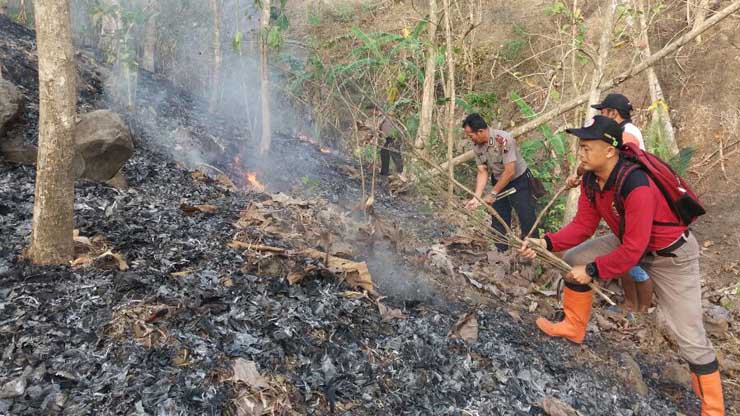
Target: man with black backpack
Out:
[648,208]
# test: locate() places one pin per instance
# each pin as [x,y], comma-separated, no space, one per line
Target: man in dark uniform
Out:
[497,155]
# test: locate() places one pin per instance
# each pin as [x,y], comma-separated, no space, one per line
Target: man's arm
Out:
[480,184]
[582,227]
[481,180]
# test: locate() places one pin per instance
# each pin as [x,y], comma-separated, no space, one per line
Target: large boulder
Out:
[103,145]
[11,104]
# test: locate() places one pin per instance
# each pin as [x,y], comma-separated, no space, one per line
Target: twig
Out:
[544,211]
[706,159]
[715,163]
[722,157]
[256,247]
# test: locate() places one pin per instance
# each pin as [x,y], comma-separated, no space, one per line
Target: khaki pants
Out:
[677,288]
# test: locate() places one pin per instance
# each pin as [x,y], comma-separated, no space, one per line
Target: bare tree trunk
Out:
[619,79]
[150,44]
[605,45]
[427,100]
[53,210]
[700,15]
[660,111]
[451,104]
[265,79]
[216,74]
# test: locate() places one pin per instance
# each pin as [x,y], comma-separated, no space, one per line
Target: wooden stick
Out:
[544,211]
[240,245]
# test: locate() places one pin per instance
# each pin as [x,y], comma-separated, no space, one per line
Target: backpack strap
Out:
[622,175]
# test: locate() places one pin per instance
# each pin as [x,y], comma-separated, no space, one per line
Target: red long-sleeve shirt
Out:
[649,225]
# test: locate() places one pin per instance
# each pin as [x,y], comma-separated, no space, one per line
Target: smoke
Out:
[175,40]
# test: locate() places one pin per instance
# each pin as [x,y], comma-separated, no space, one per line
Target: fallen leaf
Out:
[204,208]
[514,314]
[533,307]
[113,258]
[289,200]
[248,406]
[181,358]
[554,407]
[466,328]
[387,313]
[81,261]
[356,274]
[246,372]
[199,176]
[251,216]
[708,243]
[182,273]
[295,277]
[224,181]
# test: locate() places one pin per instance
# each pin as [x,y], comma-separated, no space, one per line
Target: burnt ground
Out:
[147,340]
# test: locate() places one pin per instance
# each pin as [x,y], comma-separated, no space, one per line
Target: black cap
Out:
[600,128]
[615,101]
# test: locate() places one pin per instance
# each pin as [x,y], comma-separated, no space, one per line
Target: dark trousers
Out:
[392,149]
[522,202]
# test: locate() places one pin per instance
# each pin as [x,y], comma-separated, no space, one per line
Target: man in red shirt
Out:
[651,236]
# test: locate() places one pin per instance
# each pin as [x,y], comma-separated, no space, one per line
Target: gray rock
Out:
[717,321]
[104,144]
[11,104]
[630,372]
[677,373]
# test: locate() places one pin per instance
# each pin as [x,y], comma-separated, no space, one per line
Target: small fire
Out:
[252,179]
[324,149]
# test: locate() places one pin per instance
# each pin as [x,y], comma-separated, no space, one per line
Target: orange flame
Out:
[325,149]
[252,179]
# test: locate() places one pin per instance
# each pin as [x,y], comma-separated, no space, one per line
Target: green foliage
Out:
[311,184]
[512,48]
[479,102]
[343,12]
[566,19]
[541,150]
[655,141]
[556,8]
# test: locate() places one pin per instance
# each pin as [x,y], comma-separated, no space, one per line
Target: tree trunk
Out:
[216,74]
[619,79]
[660,111]
[265,79]
[594,94]
[700,15]
[427,101]
[451,104]
[150,44]
[53,210]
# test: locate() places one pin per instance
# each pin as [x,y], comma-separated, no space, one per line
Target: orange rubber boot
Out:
[708,387]
[577,308]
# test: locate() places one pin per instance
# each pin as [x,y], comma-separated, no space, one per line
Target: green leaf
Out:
[237,41]
[680,162]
